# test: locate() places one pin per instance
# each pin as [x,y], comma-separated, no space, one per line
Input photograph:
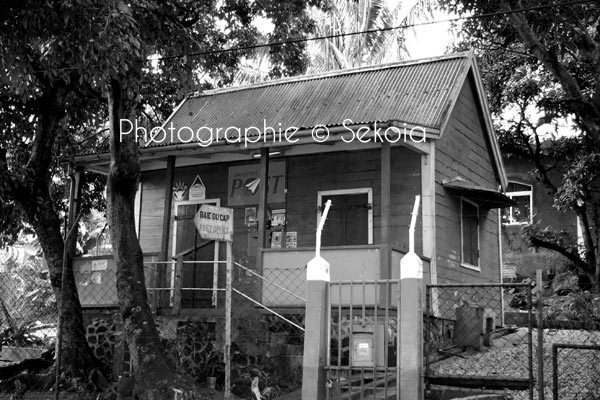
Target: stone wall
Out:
[189,338]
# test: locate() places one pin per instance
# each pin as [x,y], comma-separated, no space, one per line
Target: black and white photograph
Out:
[299,200]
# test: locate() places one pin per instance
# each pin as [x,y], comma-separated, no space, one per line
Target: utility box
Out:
[368,345]
[362,349]
[474,326]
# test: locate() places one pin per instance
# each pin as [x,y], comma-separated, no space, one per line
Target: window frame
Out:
[336,192]
[511,220]
[462,254]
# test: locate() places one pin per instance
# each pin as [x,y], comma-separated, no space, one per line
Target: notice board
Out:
[96,281]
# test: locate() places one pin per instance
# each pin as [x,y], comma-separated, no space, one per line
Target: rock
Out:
[565,283]
[518,301]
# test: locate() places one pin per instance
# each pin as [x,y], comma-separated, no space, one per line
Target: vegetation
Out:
[378,43]
[64,79]
[540,63]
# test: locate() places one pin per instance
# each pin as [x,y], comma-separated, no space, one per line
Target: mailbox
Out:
[369,344]
[362,347]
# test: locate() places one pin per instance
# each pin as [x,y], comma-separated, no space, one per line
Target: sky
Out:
[423,41]
[429,40]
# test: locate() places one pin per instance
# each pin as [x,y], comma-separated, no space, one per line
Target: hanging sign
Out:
[214,223]
[197,190]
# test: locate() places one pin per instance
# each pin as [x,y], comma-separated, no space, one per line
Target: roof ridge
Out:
[331,74]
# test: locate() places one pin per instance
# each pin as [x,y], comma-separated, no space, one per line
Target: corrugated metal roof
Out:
[415,92]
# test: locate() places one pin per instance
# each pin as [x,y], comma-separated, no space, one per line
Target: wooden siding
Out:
[306,175]
[309,174]
[465,151]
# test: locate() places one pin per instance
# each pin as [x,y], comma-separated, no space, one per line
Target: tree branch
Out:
[549,58]
[575,259]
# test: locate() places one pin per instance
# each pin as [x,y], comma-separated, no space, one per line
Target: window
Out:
[521,212]
[469,224]
[350,218]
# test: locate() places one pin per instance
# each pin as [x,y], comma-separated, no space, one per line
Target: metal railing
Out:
[467,344]
[363,339]
[584,375]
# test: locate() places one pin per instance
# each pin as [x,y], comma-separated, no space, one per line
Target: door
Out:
[198,280]
[350,217]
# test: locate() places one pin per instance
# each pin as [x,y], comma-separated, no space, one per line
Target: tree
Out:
[377,45]
[541,63]
[59,69]
[124,36]
[36,96]
[380,44]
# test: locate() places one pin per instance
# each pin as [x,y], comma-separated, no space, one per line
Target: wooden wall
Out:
[306,175]
[309,174]
[464,151]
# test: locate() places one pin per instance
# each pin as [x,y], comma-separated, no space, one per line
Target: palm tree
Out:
[379,43]
[348,51]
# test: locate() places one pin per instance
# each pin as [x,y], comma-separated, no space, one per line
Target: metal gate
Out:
[469,346]
[363,341]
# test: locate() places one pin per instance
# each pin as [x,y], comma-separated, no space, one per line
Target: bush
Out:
[576,306]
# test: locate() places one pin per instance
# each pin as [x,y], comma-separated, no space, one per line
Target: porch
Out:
[186,283]
[286,268]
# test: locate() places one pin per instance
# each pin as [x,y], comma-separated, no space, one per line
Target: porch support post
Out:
[160,274]
[262,205]
[386,222]
[428,209]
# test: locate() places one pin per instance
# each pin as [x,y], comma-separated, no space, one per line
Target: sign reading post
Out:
[214,223]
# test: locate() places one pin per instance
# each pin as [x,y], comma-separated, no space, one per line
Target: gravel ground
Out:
[579,370]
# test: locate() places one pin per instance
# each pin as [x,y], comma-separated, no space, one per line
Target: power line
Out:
[368,31]
[337,35]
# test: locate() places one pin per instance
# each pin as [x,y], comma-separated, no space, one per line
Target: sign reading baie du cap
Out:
[214,223]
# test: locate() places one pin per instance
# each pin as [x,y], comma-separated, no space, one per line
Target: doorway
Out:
[199,281]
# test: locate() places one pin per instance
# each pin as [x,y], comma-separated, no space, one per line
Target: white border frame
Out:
[367,190]
[462,262]
[520,193]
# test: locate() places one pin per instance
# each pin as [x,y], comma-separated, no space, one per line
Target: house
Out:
[534,205]
[369,139]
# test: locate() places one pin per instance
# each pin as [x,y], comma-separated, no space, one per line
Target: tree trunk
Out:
[77,358]
[153,373]
[589,251]
[32,194]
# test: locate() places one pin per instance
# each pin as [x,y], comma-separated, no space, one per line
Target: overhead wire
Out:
[344,34]
[368,31]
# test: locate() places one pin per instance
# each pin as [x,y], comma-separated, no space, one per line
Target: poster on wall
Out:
[250,216]
[276,240]
[179,191]
[99,265]
[243,184]
[197,190]
[278,219]
[291,240]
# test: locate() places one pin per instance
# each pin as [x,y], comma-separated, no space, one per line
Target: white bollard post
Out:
[316,322]
[411,319]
